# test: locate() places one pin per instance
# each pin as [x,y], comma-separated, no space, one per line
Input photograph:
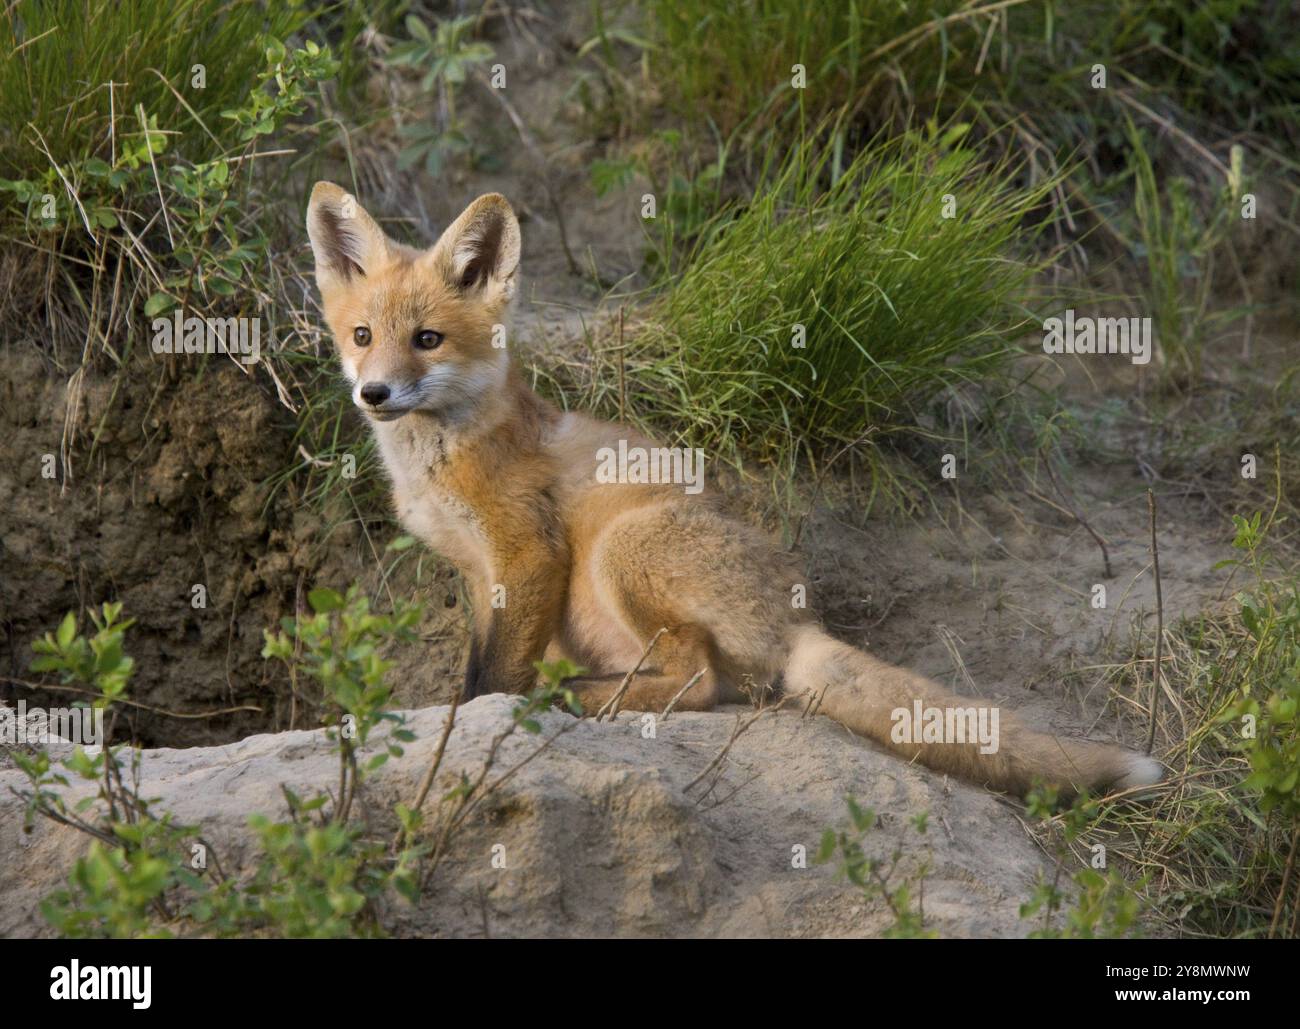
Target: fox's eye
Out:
[427,339]
[362,335]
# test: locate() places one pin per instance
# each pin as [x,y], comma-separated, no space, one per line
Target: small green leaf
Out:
[827,848]
[324,599]
[67,630]
[157,304]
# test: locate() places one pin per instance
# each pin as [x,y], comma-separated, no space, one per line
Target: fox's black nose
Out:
[374,393]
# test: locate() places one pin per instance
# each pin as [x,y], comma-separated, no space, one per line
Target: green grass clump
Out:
[133,161]
[61,55]
[894,301]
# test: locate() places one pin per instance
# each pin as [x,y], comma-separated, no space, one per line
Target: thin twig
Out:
[473,795]
[612,703]
[740,726]
[1171,127]
[1160,624]
[153,165]
[85,220]
[427,782]
[1286,881]
[1105,554]
[663,717]
[483,912]
[622,391]
[814,701]
[717,804]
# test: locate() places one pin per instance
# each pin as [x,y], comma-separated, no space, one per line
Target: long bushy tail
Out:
[882,702]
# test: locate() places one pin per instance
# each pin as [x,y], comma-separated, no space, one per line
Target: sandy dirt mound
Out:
[604,832]
[170,496]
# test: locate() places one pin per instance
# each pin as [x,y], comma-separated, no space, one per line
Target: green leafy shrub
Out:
[316,874]
[445,57]
[211,249]
[1104,906]
[878,879]
[338,645]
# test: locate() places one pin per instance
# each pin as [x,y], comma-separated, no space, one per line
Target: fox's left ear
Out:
[479,252]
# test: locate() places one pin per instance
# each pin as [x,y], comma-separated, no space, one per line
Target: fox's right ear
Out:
[345,239]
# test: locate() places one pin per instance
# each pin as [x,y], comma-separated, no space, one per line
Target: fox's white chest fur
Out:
[427,510]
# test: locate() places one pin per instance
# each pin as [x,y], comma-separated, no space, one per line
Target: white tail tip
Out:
[1142,771]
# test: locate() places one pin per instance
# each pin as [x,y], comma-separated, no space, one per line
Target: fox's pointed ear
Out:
[345,239]
[479,252]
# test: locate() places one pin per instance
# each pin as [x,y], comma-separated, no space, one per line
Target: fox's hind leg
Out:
[714,585]
[643,588]
[679,654]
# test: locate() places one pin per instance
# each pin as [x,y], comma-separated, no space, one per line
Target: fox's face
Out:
[416,330]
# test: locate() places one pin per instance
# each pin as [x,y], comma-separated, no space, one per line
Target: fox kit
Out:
[560,563]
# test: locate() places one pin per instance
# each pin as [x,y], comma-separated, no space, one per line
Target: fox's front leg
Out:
[515,619]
